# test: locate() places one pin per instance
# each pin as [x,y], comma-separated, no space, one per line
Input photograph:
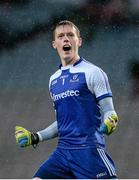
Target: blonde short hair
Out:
[66,22]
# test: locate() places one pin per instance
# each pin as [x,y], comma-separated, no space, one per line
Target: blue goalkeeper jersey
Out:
[76,91]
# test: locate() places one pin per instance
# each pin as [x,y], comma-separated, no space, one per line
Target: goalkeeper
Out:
[84,109]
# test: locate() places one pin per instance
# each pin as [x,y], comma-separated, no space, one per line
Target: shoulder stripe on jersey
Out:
[104,96]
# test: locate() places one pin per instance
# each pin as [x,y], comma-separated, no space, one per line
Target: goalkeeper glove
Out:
[109,125]
[25,138]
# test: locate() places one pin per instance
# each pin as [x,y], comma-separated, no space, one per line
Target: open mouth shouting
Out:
[66,47]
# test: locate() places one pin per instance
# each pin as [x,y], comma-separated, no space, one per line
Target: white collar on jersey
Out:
[71,65]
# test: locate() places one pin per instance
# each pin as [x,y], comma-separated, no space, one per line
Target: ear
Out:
[54,44]
[80,42]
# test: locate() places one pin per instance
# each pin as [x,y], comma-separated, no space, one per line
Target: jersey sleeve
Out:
[101,87]
[49,132]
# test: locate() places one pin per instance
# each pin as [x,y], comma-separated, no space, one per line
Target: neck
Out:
[68,61]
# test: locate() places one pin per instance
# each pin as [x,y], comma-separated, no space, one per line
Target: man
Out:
[84,113]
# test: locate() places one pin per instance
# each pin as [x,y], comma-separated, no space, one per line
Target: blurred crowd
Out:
[112,11]
[23,19]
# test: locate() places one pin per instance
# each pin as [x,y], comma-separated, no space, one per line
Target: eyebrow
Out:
[61,33]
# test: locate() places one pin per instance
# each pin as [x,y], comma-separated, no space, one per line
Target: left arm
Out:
[102,91]
[110,116]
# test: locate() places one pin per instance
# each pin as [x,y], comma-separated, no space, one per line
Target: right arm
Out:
[26,138]
[49,132]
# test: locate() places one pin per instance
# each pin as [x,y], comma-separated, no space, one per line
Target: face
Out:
[67,44]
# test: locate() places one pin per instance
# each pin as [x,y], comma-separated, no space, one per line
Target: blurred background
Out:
[110,32]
